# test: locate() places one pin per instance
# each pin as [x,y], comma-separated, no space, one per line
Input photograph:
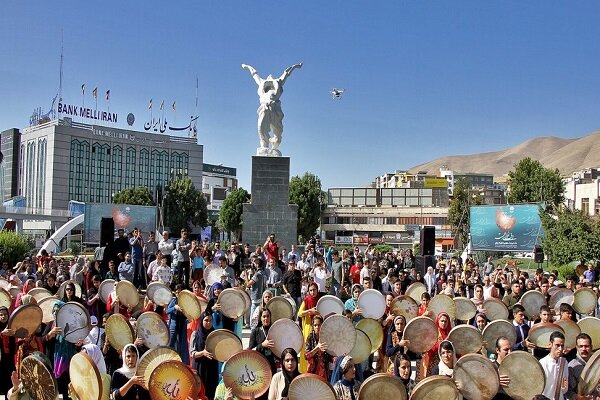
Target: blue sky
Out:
[424,78]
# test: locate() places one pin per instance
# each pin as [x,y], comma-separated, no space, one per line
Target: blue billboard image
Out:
[506,228]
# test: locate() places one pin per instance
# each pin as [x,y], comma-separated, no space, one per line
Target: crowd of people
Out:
[302,275]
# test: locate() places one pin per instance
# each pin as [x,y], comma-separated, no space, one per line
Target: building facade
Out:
[62,160]
[9,163]
[360,216]
[217,182]
[582,191]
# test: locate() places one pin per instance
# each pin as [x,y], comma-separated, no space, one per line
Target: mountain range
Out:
[568,155]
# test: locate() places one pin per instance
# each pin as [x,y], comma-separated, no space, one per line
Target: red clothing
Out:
[272,251]
[355,273]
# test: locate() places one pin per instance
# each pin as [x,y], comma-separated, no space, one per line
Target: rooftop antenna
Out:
[60,79]
[193,133]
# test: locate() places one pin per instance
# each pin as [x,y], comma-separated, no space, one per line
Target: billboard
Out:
[125,216]
[506,228]
[435,182]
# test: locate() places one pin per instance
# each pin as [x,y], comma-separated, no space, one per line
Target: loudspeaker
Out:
[423,262]
[538,255]
[107,231]
[427,244]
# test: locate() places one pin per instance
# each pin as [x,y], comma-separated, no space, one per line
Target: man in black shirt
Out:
[292,282]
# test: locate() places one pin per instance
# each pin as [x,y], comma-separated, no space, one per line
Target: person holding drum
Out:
[255,318]
[315,352]
[282,379]
[352,303]
[447,359]
[178,326]
[259,341]
[584,351]
[403,370]
[432,357]
[7,351]
[345,385]
[395,344]
[556,368]
[202,360]
[125,383]
[307,310]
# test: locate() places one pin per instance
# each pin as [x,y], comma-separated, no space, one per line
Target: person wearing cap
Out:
[96,335]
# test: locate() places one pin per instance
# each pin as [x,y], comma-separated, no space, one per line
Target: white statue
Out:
[270,116]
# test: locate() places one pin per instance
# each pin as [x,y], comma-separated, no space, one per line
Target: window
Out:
[130,167]
[585,205]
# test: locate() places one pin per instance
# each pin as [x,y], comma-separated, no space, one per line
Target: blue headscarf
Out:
[216,285]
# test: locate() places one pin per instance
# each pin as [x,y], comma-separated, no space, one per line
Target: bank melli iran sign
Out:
[78,111]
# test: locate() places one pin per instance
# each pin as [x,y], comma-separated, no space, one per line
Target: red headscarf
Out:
[311,301]
[442,333]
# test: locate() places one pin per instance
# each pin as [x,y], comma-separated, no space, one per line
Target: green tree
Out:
[305,191]
[230,215]
[139,196]
[459,215]
[530,182]
[184,205]
[570,236]
[14,247]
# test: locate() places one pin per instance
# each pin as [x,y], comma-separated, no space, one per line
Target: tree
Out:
[570,235]
[14,247]
[305,191]
[530,182]
[184,205]
[139,196]
[230,215]
[459,215]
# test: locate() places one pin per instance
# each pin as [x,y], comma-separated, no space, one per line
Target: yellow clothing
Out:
[306,326]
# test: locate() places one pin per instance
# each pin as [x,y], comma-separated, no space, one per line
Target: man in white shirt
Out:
[166,247]
[556,368]
[320,274]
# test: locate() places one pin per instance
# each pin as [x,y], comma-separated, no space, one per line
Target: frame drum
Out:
[152,359]
[373,329]
[222,344]
[247,373]
[466,339]
[372,303]
[159,293]
[382,386]
[47,305]
[494,330]
[465,308]
[233,303]
[526,375]
[190,305]
[212,274]
[442,303]
[590,376]
[540,333]
[362,347]
[85,377]
[591,326]
[310,386]
[571,330]
[405,306]
[25,320]
[422,333]
[6,299]
[127,293]
[38,377]
[74,320]
[280,308]
[172,380]
[118,331]
[436,387]
[532,301]
[495,309]
[560,296]
[152,329]
[584,300]
[39,293]
[285,333]
[415,290]
[328,305]
[338,332]
[477,376]
[106,287]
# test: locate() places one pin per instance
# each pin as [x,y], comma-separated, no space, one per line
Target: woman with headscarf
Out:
[395,344]
[352,303]
[308,309]
[177,327]
[280,383]
[403,370]
[447,357]
[97,357]
[220,321]
[29,284]
[480,321]
[344,380]
[192,326]
[63,352]
[202,360]
[259,341]
[431,358]
[255,317]
[7,352]
[315,351]
[125,383]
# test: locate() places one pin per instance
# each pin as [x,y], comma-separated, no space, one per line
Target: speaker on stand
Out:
[107,231]
[427,242]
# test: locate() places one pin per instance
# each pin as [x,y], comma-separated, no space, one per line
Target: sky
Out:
[423,79]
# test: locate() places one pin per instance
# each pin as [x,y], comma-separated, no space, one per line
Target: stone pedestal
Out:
[269,210]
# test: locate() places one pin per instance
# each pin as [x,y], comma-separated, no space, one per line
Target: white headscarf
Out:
[96,354]
[125,370]
[443,368]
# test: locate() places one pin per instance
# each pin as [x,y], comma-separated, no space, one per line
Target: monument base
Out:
[270,211]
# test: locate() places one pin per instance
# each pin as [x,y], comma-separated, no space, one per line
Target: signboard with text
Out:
[435,182]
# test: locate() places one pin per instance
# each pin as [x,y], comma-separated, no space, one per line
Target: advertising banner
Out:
[435,182]
[506,228]
[125,216]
